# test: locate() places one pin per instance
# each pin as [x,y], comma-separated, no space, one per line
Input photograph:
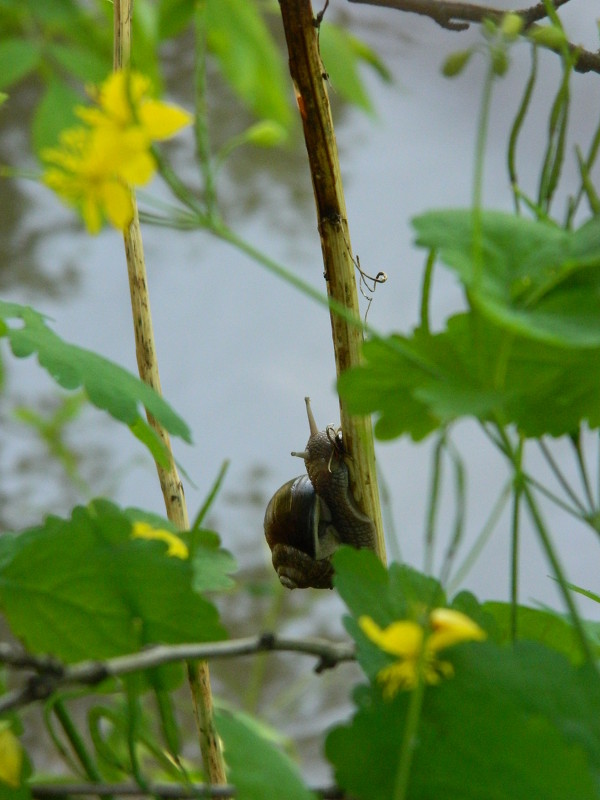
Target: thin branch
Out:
[310,87]
[51,675]
[457,16]
[162,790]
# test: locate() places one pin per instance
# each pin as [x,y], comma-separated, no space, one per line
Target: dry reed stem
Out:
[309,79]
[172,488]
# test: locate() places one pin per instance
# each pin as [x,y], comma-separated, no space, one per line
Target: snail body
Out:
[310,516]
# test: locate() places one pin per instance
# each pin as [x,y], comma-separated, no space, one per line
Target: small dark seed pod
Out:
[310,516]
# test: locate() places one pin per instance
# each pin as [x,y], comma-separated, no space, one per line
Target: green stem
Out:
[482,129]
[560,477]
[76,742]
[226,234]
[576,442]
[179,189]
[514,556]
[516,129]
[203,149]
[132,684]
[459,518]
[426,290]
[481,540]
[551,554]
[434,494]
[578,513]
[409,740]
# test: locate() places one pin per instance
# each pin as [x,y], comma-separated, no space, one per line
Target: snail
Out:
[310,516]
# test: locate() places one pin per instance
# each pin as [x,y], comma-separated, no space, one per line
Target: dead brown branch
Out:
[457,16]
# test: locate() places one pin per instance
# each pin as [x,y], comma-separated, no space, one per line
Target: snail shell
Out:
[299,532]
[310,516]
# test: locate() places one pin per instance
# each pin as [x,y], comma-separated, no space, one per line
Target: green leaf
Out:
[513,724]
[361,580]
[83,588]
[248,57]
[148,437]
[546,627]
[18,58]
[537,280]
[108,386]
[82,62]
[257,769]
[341,59]
[55,13]
[54,113]
[174,16]
[210,563]
[474,368]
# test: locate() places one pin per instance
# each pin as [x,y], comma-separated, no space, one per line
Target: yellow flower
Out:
[417,649]
[80,170]
[96,163]
[176,547]
[11,757]
[124,102]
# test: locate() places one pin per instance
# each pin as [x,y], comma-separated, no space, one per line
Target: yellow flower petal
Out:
[176,547]
[11,758]
[404,638]
[417,653]
[451,627]
[118,205]
[399,676]
[161,121]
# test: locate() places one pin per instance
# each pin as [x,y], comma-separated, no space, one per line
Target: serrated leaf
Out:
[249,58]
[210,563]
[257,769]
[84,588]
[537,280]
[512,724]
[108,386]
[474,368]
[18,58]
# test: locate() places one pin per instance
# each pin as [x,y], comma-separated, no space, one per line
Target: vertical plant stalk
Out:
[170,482]
[309,79]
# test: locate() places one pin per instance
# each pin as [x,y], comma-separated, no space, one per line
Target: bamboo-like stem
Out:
[170,482]
[309,81]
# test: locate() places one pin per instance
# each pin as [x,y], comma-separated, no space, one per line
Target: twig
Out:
[51,675]
[147,360]
[447,12]
[309,80]
[162,790]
